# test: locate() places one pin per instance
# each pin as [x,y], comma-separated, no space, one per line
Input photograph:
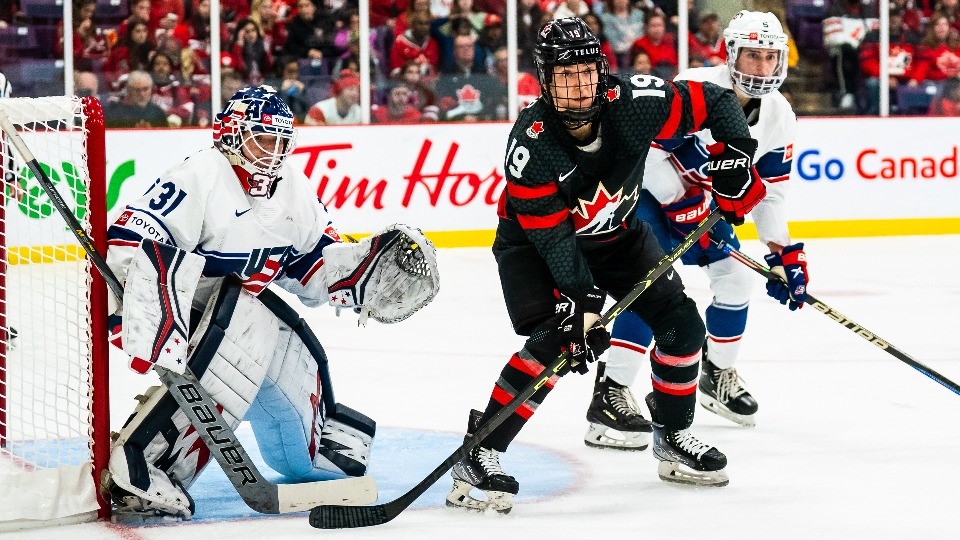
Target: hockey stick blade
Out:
[842,319]
[255,490]
[340,517]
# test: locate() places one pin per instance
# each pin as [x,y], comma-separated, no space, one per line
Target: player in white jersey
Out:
[675,198]
[243,217]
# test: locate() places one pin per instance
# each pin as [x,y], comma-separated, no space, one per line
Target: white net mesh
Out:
[45,328]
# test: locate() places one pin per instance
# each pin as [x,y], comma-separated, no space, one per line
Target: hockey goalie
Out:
[196,253]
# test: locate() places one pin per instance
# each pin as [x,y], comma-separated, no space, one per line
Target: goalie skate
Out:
[722,393]
[615,419]
[684,459]
[481,470]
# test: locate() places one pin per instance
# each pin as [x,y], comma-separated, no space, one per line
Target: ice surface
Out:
[850,442]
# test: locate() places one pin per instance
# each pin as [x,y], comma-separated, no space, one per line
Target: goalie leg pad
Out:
[389,275]
[302,433]
[139,487]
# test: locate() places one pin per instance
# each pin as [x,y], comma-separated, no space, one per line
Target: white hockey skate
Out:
[481,470]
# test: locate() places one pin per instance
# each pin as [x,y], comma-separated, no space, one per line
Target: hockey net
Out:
[54,408]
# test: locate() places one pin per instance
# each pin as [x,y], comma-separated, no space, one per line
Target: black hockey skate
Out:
[481,470]
[615,419]
[722,393]
[683,458]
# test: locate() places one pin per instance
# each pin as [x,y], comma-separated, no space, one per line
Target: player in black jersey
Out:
[568,236]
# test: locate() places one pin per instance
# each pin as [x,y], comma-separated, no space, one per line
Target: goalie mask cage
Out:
[54,405]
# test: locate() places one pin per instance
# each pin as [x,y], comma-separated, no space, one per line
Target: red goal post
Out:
[54,392]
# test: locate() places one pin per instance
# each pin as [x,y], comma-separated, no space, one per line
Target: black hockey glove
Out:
[737,187]
[575,311]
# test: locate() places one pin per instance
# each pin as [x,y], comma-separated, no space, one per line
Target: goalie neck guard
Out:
[756,30]
[255,132]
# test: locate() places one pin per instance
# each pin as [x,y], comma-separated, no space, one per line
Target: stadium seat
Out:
[19,41]
[807,9]
[42,9]
[917,99]
[113,10]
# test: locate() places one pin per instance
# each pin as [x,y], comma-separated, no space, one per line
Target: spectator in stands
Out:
[902,51]
[951,10]
[492,37]
[89,42]
[416,44]
[249,55]
[468,95]
[463,9]
[397,110]
[195,31]
[641,63]
[133,52]
[9,9]
[273,30]
[658,44]
[529,20]
[623,25]
[707,42]
[166,12]
[441,8]
[571,8]
[947,103]
[351,62]
[462,20]
[135,109]
[291,89]
[421,98]
[385,12]
[310,33]
[465,57]
[168,94]
[843,32]
[938,56]
[85,83]
[342,108]
[230,84]
[528,88]
[403,21]
[596,27]
[139,11]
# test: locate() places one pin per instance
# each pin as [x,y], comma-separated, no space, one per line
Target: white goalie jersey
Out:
[199,206]
[674,165]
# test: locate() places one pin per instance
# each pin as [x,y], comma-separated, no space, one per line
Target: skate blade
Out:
[672,471]
[599,436]
[500,502]
[147,517]
[719,409]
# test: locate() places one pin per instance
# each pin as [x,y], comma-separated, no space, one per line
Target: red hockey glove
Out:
[737,187]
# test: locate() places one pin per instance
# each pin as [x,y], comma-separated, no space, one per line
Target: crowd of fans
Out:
[924,55]
[431,60]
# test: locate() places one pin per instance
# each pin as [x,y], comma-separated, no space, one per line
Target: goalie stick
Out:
[340,516]
[842,319]
[256,491]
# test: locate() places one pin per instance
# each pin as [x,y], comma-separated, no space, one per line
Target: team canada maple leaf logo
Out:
[535,129]
[605,212]
[468,94]
[613,93]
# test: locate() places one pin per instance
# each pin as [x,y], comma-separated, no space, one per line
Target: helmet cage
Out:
[579,47]
[756,85]
[244,124]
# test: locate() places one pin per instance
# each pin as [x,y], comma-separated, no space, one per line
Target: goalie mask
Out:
[750,38]
[255,132]
[572,71]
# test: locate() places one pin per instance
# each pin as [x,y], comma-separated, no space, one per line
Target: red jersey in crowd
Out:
[380,114]
[405,48]
[707,51]
[936,64]
[663,53]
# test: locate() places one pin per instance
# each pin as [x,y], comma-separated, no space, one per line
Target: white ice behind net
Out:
[45,341]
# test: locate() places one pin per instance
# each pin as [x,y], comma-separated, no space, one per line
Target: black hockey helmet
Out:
[566,42]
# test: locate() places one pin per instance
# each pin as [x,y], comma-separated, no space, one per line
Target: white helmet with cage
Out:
[756,30]
[255,132]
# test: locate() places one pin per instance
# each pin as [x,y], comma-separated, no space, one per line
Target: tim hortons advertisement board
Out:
[447,178]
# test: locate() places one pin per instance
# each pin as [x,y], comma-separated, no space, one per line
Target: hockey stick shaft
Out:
[841,319]
[338,517]
[259,493]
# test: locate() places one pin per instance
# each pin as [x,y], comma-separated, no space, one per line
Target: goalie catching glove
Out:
[388,276]
[737,187]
